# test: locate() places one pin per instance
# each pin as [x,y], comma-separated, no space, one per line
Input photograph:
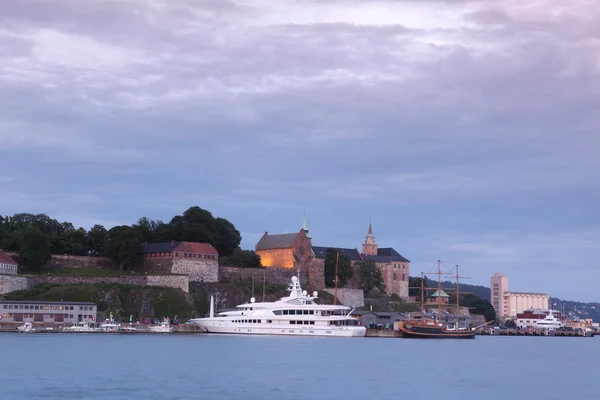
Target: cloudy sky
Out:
[467,130]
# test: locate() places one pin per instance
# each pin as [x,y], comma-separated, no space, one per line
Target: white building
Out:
[508,304]
[8,266]
[47,311]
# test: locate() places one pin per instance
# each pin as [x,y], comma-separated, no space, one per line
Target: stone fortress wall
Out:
[22,282]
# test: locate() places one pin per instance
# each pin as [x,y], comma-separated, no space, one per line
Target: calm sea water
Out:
[80,366]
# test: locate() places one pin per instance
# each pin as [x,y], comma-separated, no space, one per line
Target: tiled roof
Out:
[184,247]
[6,259]
[277,241]
[321,252]
[200,248]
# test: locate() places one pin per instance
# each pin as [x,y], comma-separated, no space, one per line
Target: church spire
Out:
[304,227]
[370,246]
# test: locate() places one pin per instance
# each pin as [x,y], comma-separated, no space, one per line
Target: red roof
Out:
[6,259]
[200,248]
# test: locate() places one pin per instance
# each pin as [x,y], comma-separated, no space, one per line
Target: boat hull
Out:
[420,331]
[449,335]
[224,328]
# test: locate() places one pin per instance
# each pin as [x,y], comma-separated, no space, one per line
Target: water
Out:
[84,366]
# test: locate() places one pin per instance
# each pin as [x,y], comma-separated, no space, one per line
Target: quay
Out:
[537,332]
[55,328]
[383,333]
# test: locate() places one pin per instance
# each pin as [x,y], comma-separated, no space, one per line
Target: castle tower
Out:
[369,247]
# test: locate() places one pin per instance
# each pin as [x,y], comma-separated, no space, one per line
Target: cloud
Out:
[474,117]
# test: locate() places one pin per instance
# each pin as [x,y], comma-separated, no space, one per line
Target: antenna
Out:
[337,258]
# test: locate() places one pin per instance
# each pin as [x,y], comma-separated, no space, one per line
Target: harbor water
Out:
[187,366]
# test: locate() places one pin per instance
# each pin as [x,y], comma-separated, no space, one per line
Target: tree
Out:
[370,276]
[479,306]
[97,241]
[415,286]
[241,258]
[34,251]
[228,238]
[125,246]
[344,268]
[148,229]
[510,323]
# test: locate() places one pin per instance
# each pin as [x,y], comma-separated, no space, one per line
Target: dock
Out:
[537,332]
[383,333]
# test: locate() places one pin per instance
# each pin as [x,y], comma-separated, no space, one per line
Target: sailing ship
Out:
[431,327]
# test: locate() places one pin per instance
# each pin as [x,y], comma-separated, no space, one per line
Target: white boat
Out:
[109,325]
[27,327]
[163,327]
[550,322]
[81,327]
[130,329]
[295,315]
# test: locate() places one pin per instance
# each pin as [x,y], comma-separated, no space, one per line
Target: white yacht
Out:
[109,325]
[27,327]
[550,322]
[163,327]
[296,314]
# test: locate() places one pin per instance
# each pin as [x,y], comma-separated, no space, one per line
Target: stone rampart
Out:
[198,271]
[10,283]
[22,282]
[269,274]
[65,261]
[352,298]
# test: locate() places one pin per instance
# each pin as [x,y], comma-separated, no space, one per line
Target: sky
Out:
[466,130]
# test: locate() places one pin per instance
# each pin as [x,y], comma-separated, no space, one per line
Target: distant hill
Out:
[573,309]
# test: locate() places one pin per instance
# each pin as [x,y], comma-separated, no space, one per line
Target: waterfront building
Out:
[509,304]
[200,261]
[393,266]
[8,266]
[47,311]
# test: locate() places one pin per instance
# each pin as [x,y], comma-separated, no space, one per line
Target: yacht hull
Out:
[224,328]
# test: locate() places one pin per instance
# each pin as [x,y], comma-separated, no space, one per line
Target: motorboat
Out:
[109,325]
[27,327]
[163,327]
[297,315]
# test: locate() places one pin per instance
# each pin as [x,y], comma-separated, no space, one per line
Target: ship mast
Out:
[337,258]
[458,294]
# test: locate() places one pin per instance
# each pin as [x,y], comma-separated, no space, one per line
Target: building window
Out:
[403,277]
[394,273]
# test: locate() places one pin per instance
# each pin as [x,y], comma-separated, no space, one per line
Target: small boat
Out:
[109,325]
[27,327]
[163,327]
[129,329]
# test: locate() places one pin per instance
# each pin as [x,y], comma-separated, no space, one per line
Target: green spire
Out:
[304,227]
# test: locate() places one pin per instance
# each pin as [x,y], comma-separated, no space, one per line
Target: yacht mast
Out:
[337,258]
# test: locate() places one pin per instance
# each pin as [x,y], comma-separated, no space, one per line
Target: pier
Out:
[537,332]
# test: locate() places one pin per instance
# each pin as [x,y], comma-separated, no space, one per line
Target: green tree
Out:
[34,251]
[241,258]
[97,241]
[125,246]
[148,228]
[479,306]
[344,268]
[415,286]
[228,238]
[370,276]
[510,323]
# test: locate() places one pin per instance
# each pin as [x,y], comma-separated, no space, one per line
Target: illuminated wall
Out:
[277,258]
